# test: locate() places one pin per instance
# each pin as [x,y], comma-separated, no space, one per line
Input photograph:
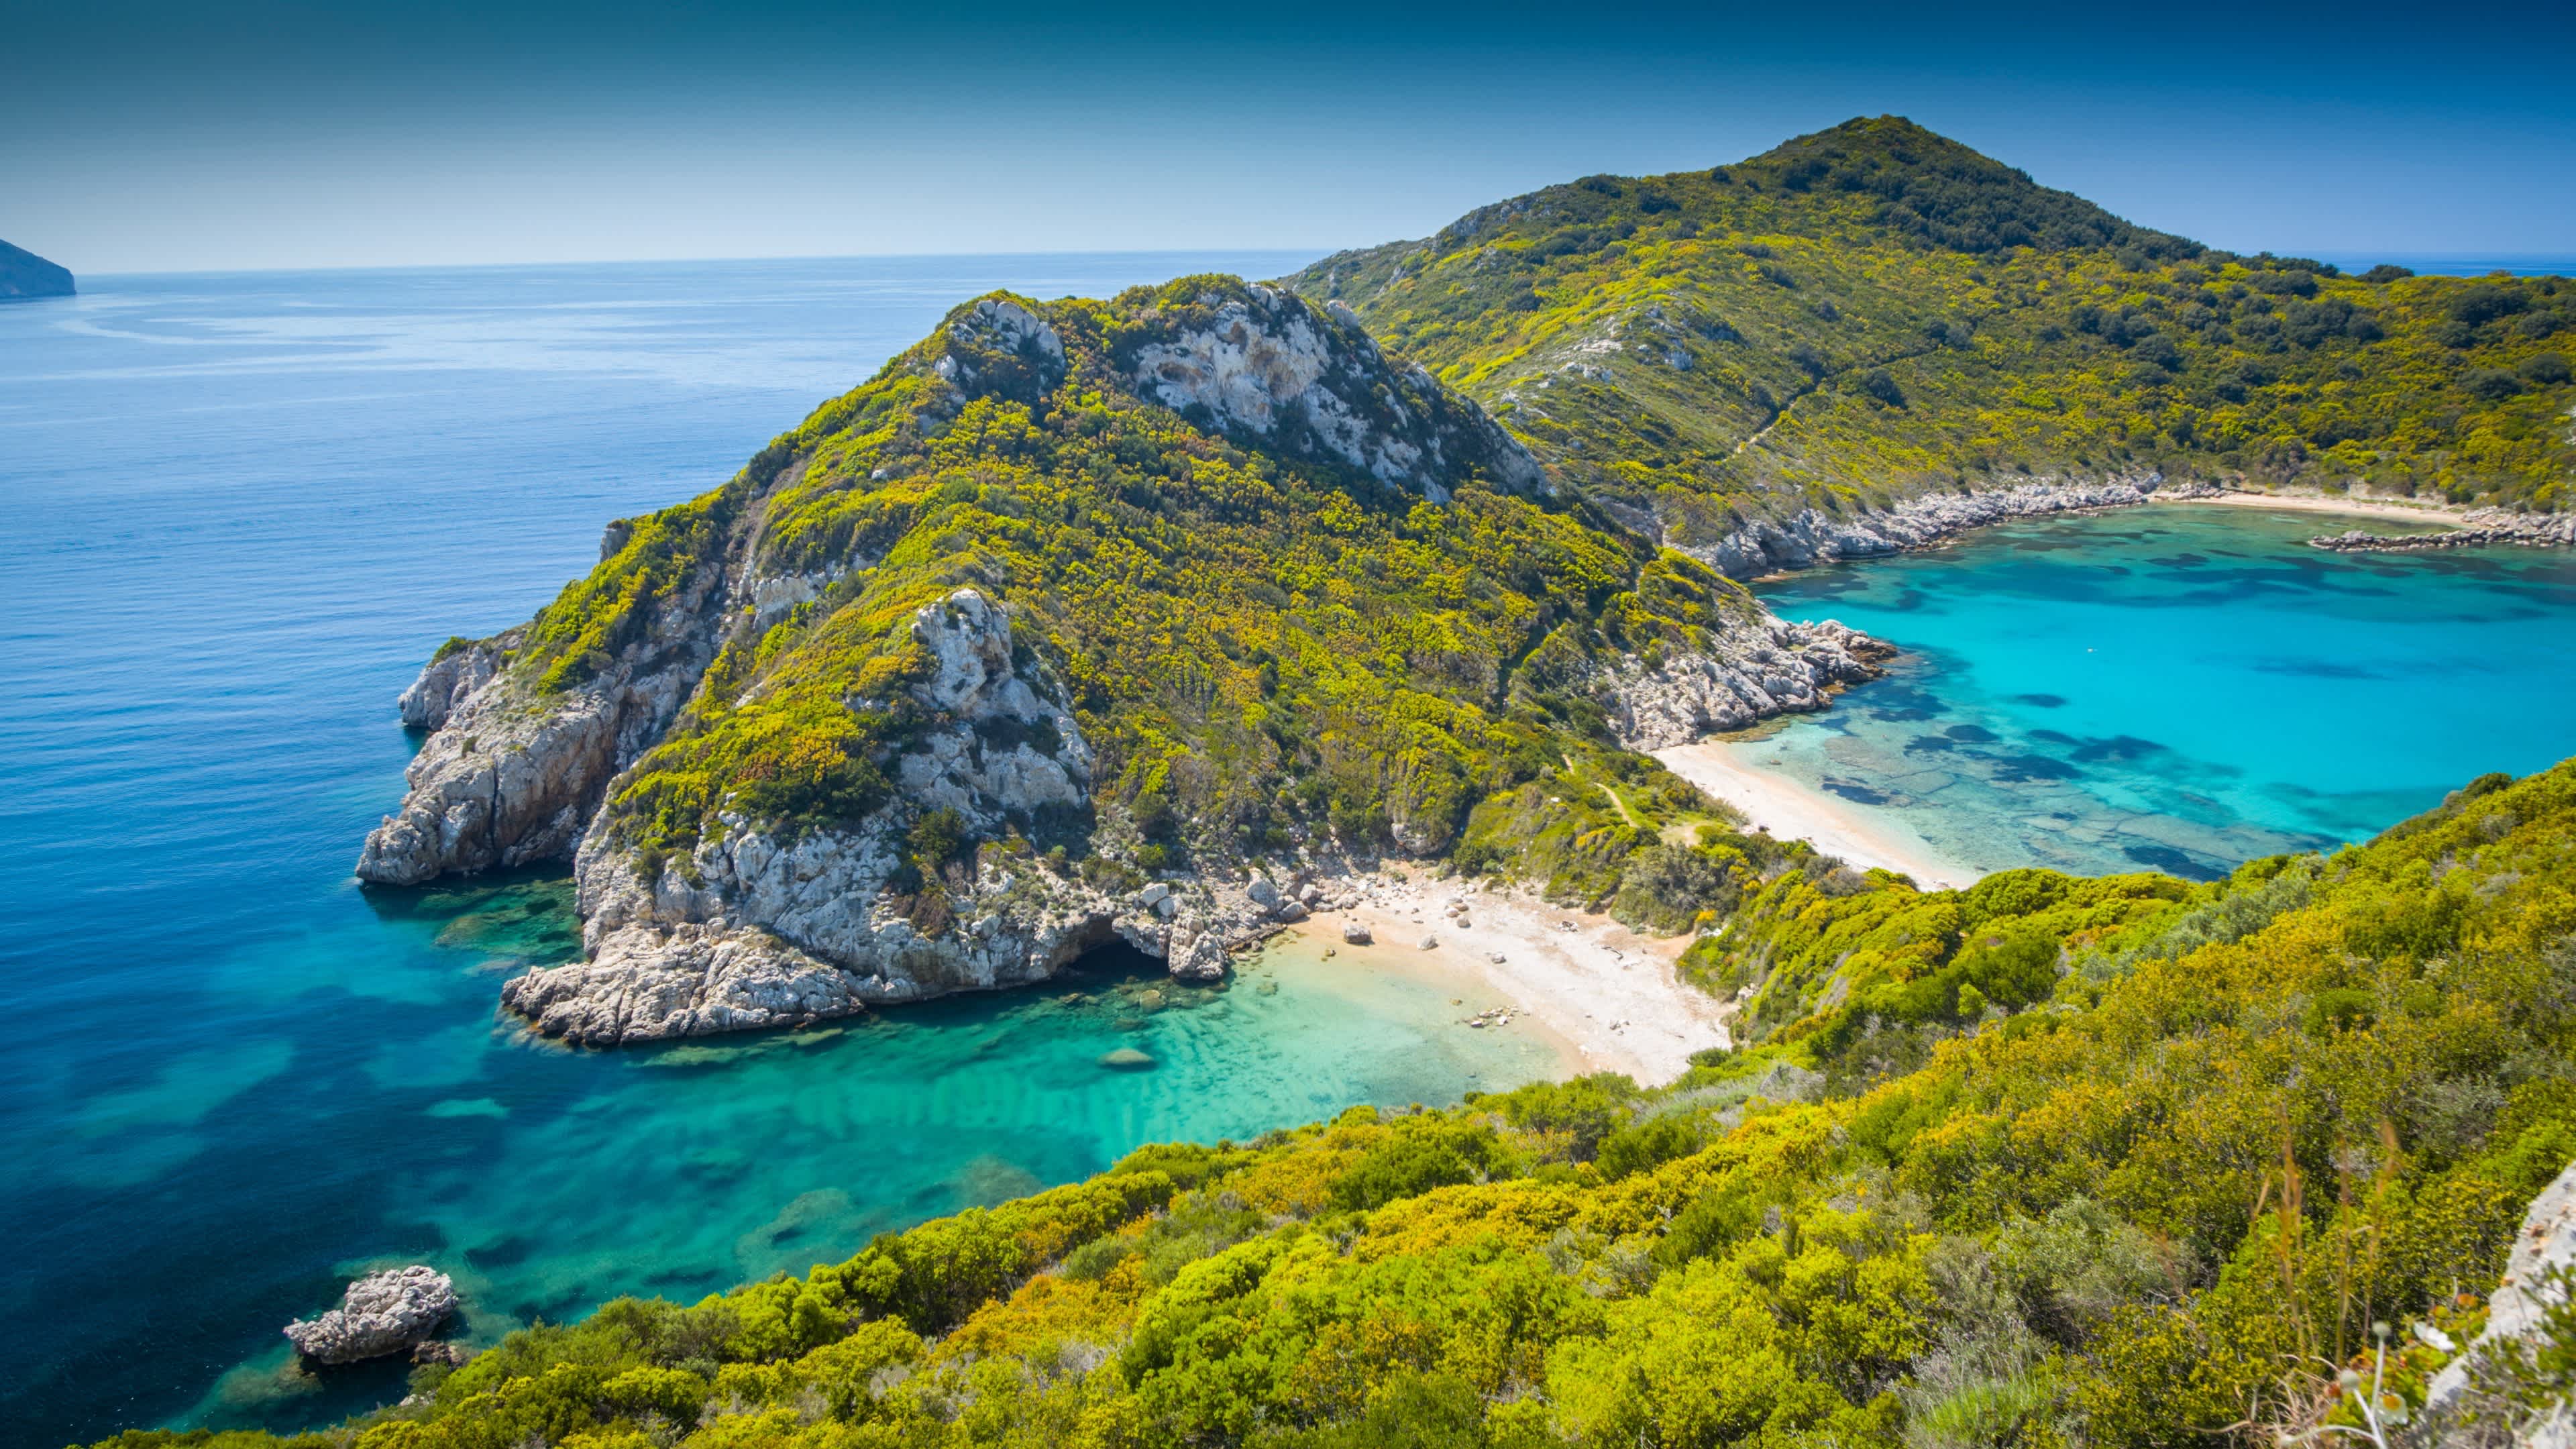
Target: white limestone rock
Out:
[1265,363]
[380,1314]
[1811,537]
[2545,1247]
[1756,667]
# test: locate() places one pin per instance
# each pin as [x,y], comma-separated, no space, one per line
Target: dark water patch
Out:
[2041,701]
[2314,669]
[2173,862]
[502,1254]
[1968,734]
[1855,791]
[1930,744]
[2180,561]
[2053,737]
[2121,748]
[2021,769]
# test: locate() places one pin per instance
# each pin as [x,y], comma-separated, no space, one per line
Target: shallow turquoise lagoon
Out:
[2182,687]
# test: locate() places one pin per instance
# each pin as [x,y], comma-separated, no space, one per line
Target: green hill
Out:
[1876,310]
[2120,1162]
[1072,599]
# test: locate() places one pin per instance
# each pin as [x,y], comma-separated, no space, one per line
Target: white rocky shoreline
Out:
[1812,537]
[2479,528]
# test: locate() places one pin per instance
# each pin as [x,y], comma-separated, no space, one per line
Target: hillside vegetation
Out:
[1264,646]
[1875,310]
[2125,1162]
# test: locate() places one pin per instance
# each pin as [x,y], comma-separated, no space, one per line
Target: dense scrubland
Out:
[2123,1162]
[1875,310]
[1263,649]
[2047,1162]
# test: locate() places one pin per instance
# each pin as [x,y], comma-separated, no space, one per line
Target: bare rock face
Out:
[997,347]
[1267,364]
[763,930]
[383,1313]
[1812,537]
[2544,1249]
[450,680]
[510,776]
[1758,667]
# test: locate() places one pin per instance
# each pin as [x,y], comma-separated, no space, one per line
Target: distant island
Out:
[25,274]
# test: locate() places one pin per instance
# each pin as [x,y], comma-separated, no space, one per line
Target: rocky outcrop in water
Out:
[1813,537]
[2481,528]
[381,1314]
[25,275]
[759,928]
[511,776]
[1761,667]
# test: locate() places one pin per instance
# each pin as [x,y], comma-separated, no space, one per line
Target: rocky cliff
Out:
[826,739]
[1810,537]
[24,274]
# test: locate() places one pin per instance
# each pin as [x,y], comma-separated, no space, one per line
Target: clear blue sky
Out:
[162,136]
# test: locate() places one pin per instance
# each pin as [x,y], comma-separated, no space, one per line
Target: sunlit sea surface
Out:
[240,510]
[2182,687]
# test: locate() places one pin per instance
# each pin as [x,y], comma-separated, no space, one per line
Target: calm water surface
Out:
[240,512]
[2182,687]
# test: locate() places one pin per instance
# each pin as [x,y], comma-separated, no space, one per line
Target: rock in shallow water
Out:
[382,1313]
[1127,1059]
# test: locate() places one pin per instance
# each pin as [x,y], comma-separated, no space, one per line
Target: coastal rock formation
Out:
[23,274]
[2480,528]
[812,751]
[1811,537]
[382,1313]
[760,928]
[1315,385]
[511,775]
[1766,666]
[2535,1280]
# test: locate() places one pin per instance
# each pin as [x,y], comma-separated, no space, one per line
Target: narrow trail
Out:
[1620,805]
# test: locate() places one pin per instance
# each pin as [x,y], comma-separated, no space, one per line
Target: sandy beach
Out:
[1791,810]
[1608,998]
[2331,503]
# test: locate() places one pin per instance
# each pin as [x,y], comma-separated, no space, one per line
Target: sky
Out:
[146,135]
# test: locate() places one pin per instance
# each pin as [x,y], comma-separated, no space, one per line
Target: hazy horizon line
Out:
[2464,257]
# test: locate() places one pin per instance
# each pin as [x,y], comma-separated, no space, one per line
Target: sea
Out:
[242,509]
[2180,686]
[240,513]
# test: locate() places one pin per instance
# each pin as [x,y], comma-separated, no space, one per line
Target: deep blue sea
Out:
[240,511]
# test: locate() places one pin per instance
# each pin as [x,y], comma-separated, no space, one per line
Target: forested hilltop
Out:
[1875,310]
[2121,1162]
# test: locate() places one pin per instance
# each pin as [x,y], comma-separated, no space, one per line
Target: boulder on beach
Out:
[1355,934]
[381,1313]
[1127,1059]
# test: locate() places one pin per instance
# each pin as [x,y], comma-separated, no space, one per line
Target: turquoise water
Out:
[2182,687]
[240,511]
